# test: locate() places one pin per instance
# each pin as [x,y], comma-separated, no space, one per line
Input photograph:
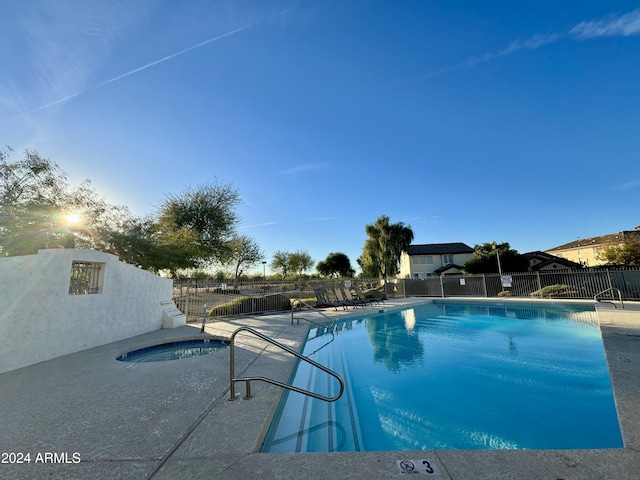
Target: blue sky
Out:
[472,122]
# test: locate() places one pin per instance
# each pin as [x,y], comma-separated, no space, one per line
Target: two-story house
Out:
[585,250]
[434,259]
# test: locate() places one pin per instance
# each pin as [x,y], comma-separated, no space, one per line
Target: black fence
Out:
[578,284]
[197,298]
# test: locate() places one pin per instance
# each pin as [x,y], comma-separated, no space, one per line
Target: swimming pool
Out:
[454,376]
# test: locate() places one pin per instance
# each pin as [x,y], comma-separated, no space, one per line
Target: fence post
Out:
[441,286]
[484,284]
[186,301]
[610,283]
[539,283]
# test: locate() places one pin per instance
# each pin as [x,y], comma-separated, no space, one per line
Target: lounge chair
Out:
[322,300]
[348,296]
[341,296]
[362,296]
[333,298]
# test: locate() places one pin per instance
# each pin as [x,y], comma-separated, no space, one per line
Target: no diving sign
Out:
[418,467]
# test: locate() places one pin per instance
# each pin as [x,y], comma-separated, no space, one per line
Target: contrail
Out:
[149,65]
[169,57]
[289,222]
[612,25]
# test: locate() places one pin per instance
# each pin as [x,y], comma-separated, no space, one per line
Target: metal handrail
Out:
[332,322]
[233,379]
[612,290]
[204,317]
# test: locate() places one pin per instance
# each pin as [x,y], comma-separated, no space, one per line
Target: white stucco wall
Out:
[39,320]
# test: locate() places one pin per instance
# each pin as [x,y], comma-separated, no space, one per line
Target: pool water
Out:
[454,376]
[174,350]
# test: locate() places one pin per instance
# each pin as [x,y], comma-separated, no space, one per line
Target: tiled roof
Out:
[448,266]
[548,259]
[439,249]
[611,238]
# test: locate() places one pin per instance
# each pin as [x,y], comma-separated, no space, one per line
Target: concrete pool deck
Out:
[87,415]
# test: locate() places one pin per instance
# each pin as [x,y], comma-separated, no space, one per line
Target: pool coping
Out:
[75,404]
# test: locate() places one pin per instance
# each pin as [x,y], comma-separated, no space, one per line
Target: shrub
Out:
[555,291]
[504,293]
[250,305]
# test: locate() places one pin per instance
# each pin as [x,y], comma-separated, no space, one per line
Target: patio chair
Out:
[362,296]
[341,296]
[332,297]
[322,301]
[356,301]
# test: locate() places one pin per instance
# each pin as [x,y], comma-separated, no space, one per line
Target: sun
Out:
[72,218]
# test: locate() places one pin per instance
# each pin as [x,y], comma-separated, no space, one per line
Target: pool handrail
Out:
[612,290]
[204,317]
[332,322]
[233,379]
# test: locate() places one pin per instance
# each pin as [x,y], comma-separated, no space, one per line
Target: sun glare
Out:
[72,218]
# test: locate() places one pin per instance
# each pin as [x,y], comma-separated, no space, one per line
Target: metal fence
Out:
[234,298]
[578,284]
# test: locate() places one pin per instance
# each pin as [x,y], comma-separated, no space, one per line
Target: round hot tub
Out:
[175,350]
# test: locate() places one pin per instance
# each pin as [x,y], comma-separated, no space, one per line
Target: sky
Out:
[470,122]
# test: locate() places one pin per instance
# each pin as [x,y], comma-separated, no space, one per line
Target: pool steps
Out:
[233,379]
[316,426]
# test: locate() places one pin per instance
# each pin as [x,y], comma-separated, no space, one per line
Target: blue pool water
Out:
[174,350]
[454,376]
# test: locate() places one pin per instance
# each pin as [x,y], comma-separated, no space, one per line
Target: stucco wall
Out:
[408,268]
[40,320]
[585,254]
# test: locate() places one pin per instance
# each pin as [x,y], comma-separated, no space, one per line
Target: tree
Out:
[280,263]
[31,193]
[485,259]
[190,230]
[627,254]
[198,224]
[286,262]
[136,242]
[300,262]
[336,264]
[382,250]
[368,261]
[243,252]
[38,209]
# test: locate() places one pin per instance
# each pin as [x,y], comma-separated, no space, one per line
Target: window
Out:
[86,278]
[447,259]
[423,260]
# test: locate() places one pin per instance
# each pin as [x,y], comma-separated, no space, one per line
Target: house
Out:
[434,259]
[545,262]
[585,250]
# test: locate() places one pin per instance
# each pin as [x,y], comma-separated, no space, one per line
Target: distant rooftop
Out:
[538,260]
[611,238]
[439,249]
